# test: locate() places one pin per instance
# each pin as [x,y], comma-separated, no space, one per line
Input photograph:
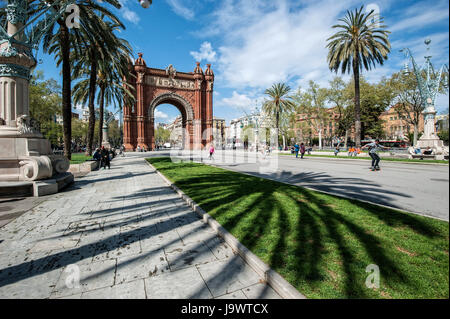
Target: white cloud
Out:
[161,115]
[206,53]
[420,15]
[243,102]
[127,13]
[271,42]
[181,10]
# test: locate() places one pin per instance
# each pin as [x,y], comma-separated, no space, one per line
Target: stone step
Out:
[16,189]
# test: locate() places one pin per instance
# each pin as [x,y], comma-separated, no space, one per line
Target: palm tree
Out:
[58,40]
[111,68]
[361,42]
[280,102]
[113,90]
[101,49]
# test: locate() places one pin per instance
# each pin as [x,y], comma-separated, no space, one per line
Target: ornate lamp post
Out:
[25,154]
[106,121]
[428,87]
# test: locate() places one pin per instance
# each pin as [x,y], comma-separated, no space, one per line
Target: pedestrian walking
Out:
[211,151]
[373,153]
[302,150]
[296,150]
[336,151]
[105,158]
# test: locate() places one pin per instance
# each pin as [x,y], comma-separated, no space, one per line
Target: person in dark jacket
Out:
[105,158]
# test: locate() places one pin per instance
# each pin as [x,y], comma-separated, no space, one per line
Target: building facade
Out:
[396,126]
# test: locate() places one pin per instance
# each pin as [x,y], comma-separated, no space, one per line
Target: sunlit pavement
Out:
[120,233]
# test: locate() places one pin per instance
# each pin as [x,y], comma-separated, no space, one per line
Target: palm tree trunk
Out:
[277,129]
[66,90]
[346,137]
[357,103]
[101,114]
[92,87]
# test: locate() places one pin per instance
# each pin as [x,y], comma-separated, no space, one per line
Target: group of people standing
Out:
[299,149]
[104,156]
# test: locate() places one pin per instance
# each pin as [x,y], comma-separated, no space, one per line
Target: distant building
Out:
[219,131]
[235,134]
[85,115]
[59,119]
[176,132]
[305,132]
[397,127]
[162,125]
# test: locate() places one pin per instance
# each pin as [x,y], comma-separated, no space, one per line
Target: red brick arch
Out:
[191,93]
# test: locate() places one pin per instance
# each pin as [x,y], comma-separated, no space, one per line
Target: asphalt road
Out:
[417,188]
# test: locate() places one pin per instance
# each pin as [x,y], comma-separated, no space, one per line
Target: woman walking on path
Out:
[302,150]
[211,151]
[373,152]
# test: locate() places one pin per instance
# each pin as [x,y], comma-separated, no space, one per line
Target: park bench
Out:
[422,156]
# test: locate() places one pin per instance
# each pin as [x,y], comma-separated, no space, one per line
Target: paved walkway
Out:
[125,234]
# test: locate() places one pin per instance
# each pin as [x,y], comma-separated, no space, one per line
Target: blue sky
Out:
[253,43]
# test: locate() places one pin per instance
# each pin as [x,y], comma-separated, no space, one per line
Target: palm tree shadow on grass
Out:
[303,230]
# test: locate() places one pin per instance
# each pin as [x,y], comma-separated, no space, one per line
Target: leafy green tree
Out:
[45,98]
[443,135]
[409,104]
[114,133]
[162,135]
[361,42]
[79,131]
[312,104]
[338,96]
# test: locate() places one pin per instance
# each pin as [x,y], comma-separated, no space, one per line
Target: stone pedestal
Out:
[105,142]
[25,155]
[28,157]
[430,138]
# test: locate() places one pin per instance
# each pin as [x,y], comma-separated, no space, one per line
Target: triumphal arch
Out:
[191,93]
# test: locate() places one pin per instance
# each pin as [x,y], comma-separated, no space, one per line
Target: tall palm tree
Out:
[103,48]
[111,68]
[279,102]
[113,90]
[57,40]
[361,42]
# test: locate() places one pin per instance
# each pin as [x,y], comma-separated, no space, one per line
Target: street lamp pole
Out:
[428,86]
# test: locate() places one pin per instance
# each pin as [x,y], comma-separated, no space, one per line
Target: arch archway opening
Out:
[169,123]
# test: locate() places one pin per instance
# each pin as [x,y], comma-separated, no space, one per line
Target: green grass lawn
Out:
[388,159]
[78,158]
[320,243]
